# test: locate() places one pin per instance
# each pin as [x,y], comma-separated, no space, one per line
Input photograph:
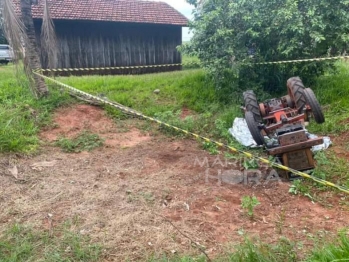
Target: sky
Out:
[186,9]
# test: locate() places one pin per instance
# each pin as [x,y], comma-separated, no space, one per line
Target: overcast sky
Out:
[186,9]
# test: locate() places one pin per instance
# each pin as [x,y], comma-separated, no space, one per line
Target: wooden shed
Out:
[112,33]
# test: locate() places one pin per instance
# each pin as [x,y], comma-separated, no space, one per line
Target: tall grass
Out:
[177,89]
[332,91]
[331,252]
[21,115]
[190,62]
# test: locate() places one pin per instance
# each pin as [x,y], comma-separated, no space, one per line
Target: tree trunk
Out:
[32,60]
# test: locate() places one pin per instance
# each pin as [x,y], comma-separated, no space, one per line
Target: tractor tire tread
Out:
[314,105]
[297,88]
[252,105]
[254,129]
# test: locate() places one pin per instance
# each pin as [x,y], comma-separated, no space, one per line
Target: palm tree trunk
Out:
[32,60]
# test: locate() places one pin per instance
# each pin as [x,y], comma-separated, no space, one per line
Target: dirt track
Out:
[124,193]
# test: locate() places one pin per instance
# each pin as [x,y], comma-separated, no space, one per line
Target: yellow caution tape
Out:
[235,150]
[302,60]
[60,70]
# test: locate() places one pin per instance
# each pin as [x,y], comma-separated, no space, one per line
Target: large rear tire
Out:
[254,129]
[296,91]
[251,105]
[314,105]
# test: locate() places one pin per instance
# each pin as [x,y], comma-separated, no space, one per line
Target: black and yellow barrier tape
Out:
[161,123]
[302,60]
[60,70]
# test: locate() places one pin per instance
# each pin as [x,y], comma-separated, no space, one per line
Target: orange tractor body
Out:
[282,121]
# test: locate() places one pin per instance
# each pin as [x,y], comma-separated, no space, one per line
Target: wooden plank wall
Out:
[106,44]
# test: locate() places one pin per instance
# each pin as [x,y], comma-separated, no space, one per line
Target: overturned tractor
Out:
[279,125]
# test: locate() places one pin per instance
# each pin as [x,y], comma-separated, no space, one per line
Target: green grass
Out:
[24,243]
[248,204]
[177,89]
[332,91]
[254,250]
[213,113]
[337,251]
[85,141]
[21,115]
[329,167]
[190,62]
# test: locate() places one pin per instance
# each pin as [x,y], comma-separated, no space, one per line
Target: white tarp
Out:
[242,134]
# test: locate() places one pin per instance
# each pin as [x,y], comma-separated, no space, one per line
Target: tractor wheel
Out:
[289,101]
[296,92]
[252,105]
[314,105]
[253,127]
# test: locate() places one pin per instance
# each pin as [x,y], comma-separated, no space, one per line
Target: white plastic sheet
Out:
[324,146]
[241,133]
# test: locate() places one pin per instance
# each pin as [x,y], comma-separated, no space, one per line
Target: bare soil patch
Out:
[122,193]
[186,112]
[71,121]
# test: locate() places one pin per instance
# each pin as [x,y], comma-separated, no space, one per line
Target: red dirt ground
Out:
[124,193]
[185,113]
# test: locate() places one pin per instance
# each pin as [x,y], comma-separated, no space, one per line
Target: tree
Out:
[32,59]
[229,35]
[20,32]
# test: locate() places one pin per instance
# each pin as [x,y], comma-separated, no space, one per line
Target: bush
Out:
[229,35]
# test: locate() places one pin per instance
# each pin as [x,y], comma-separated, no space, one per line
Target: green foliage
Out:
[254,250]
[22,243]
[332,91]
[210,147]
[228,34]
[177,90]
[248,203]
[338,251]
[250,250]
[85,141]
[331,167]
[174,119]
[299,187]
[250,164]
[212,113]
[190,62]
[21,115]
[221,129]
